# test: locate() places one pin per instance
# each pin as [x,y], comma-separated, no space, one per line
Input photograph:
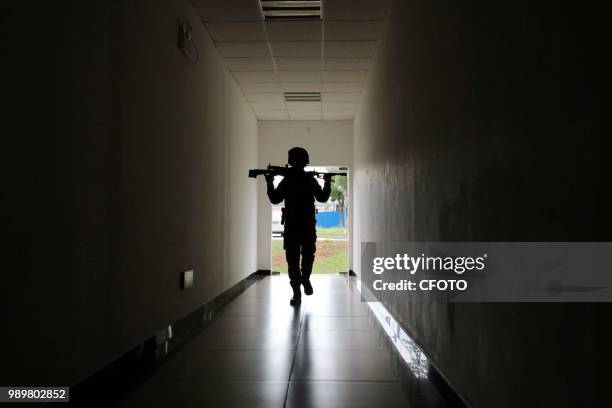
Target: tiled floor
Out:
[263,353]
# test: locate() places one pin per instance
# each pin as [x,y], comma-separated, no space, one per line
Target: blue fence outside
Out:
[329,219]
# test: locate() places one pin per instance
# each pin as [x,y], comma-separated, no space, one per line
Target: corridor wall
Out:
[477,125]
[129,167]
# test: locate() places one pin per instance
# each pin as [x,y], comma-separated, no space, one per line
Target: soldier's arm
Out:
[275,195]
[322,194]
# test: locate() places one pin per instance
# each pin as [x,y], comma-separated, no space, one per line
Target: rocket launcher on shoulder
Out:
[284,170]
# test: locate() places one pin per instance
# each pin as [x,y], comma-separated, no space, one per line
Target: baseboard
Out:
[432,391]
[114,382]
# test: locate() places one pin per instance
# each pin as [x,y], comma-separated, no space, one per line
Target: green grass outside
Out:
[336,232]
[331,257]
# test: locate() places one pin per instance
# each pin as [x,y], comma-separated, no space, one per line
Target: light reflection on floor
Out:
[411,353]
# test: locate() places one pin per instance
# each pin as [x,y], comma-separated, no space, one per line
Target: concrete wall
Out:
[329,143]
[129,167]
[469,131]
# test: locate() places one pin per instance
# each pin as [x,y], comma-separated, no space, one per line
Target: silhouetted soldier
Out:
[299,190]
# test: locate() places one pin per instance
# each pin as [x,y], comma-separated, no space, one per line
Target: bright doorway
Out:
[332,256]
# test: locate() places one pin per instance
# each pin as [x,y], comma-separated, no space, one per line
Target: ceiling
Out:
[268,58]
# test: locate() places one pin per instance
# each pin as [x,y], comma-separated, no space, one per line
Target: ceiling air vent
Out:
[291,10]
[303,96]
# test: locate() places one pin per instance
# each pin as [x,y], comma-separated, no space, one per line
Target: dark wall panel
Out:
[470,130]
[119,156]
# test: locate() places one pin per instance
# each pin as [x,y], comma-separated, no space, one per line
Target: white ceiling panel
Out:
[272,115]
[268,106]
[344,106]
[244,49]
[298,64]
[342,87]
[296,48]
[261,88]
[255,77]
[305,115]
[299,76]
[340,97]
[265,97]
[301,87]
[349,49]
[343,76]
[237,31]
[268,58]
[345,63]
[250,64]
[228,10]
[354,9]
[303,106]
[337,115]
[294,30]
[352,30]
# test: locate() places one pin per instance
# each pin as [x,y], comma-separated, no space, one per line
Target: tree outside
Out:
[338,194]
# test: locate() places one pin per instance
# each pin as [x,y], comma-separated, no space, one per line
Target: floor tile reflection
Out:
[352,365]
[261,352]
[306,394]
[252,394]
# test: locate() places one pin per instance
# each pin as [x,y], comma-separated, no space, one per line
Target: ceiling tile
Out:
[343,76]
[299,76]
[272,115]
[337,115]
[261,88]
[294,30]
[298,64]
[237,31]
[296,48]
[345,49]
[255,77]
[352,30]
[301,87]
[305,115]
[354,9]
[345,106]
[269,105]
[265,97]
[250,64]
[243,49]
[303,106]
[228,10]
[340,97]
[345,63]
[342,87]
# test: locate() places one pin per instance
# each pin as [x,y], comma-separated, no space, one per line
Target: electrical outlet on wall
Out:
[187,279]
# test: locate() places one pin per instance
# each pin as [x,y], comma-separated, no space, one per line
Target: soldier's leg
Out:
[292,254]
[308,254]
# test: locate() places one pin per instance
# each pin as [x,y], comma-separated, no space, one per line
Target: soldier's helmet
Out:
[298,154]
